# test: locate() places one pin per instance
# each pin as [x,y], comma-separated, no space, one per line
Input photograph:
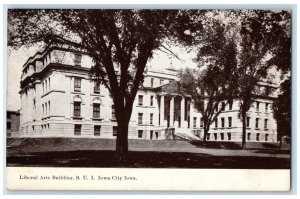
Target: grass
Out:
[86,152]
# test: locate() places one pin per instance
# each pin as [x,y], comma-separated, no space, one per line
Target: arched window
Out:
[96,107]
[77,105]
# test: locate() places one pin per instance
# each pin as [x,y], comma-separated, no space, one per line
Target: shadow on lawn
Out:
[137,159]
[273,148]
[216,145]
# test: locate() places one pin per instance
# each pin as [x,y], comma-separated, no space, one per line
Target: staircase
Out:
[186,134]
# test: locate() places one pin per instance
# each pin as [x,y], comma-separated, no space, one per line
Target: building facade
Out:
[60,99]
[12,123]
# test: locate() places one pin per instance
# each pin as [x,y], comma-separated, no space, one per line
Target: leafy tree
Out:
[282,110]
[264,35]
[213,82]
[123,37]
[243,45]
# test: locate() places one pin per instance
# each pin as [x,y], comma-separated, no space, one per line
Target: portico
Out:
[174,111]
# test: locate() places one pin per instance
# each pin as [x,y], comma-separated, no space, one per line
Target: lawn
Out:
[85,152]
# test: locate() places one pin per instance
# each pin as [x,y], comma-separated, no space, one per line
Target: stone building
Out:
[60,99]
[12,123]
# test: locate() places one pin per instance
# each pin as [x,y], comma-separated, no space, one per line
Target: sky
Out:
[16,59]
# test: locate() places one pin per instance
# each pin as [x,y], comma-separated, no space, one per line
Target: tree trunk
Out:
[244,130]
[280,141]
[122,140]
[205,133]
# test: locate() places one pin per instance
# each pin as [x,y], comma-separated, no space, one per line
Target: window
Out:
[257,123]
[248,136]
[216,107]
[208,136]
[8,125]
[266,107]
[141,100]
[77,129]
[161,82]
[230,105]
[156,135]
[201,122]
[77,109]
[46,87]
[266,137]
[152,82]
[216,123]
[43,87]
[97,129]
[195,121]
[216,136]
[96,110]
[140,133]
[77,84]
[140,119]
[49,83]
[229,136]
[266,124]
[49,107]
[46,109]
[257,106]
[34,104]
[222,136]
[151,118]
[97,88]
[223,122]
[151,134]
[115,130]
[257,137]
[248,121]
[113,112]
[8,115]
[77,59]
[151,100]
[43,109]
[223,106]
[229,121]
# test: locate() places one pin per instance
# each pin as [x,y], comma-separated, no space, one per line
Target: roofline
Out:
[11,111]
[48,47]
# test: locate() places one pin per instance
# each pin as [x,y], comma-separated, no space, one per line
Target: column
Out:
[182,109]
[162,110]
[191,115]
[172,112]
